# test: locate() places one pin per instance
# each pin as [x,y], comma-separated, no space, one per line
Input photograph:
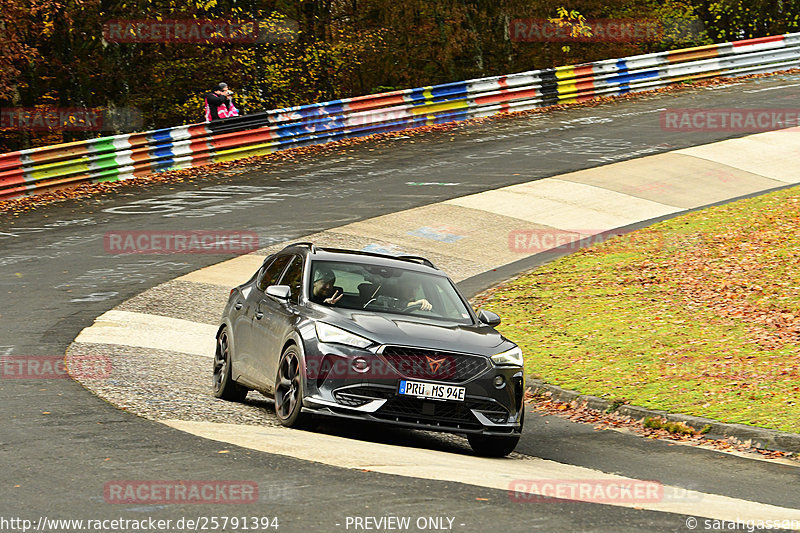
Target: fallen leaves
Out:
[581,413]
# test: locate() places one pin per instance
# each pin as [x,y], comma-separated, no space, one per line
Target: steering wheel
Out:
[417,305]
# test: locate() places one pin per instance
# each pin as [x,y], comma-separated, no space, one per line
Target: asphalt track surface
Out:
[59,445]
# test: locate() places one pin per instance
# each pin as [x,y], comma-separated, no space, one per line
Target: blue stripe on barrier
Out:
[449,89]
[461,115]
[161,135]
[629,77]
[417,96]
[162,165]
[312,126]
[161,151]
[333,109]
[622,67]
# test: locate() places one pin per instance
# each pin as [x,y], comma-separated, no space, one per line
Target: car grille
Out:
[417,363]
[454,415]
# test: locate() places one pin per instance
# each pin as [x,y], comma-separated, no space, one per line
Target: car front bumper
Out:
[335,388]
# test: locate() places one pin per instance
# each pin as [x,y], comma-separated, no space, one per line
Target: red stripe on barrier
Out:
[198,130]
[137,140]
[384,100]
[10,160]
[505,96]
[60,151]
[141,153]
[580,72]
[142,168]
[503,82]
[758,40]
[690,54]
[10,194]
[232,140]
[201,159]
[198,146]
[11,178]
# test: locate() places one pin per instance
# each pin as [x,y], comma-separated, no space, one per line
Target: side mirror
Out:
[487,317]
[280,292]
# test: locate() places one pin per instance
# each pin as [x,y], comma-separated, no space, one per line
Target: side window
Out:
[294,277]
[270,275]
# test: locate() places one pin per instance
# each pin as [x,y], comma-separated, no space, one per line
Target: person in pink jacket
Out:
[219,103]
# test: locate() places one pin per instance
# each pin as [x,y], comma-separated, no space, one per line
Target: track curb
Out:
[763,438]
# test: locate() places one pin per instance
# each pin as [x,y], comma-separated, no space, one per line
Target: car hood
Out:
[424,333]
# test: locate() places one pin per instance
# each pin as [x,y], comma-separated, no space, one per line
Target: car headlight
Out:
[327,333]
[512,357]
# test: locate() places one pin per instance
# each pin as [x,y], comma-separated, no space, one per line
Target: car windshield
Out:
[386,289]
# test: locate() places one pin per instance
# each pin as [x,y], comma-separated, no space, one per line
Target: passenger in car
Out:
[324,291]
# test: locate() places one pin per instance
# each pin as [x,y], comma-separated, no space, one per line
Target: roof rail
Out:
[310,245]
[410,258]
[416,259]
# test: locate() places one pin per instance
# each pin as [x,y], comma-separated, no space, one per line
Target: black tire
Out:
[224,385]
[289,390]
[496,446]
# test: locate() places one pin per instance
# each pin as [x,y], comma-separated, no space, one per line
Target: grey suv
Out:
[372,337]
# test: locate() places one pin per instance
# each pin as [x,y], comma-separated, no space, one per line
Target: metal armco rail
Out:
[127,156]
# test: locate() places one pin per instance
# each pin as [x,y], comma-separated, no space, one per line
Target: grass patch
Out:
[676,428]
[699,315]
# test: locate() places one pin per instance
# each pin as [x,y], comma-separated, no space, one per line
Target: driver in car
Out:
[407,294]
[323,289]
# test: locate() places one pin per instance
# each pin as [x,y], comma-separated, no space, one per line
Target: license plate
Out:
[433,391]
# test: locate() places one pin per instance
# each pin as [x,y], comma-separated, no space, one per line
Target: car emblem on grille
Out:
[435,364]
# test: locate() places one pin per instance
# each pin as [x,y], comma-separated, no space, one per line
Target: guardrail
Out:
[127,156]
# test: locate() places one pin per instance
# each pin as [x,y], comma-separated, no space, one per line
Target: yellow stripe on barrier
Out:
[436,108]
[565,72]
[566,87]
[58,169]
[237,153]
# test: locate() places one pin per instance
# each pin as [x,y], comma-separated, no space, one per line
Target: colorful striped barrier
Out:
[127,156]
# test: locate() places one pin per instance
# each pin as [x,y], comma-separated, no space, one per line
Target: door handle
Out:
[238,305]
[259,315]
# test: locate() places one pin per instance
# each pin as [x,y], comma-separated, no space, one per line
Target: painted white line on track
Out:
[151,331]
[565,204]
[771,88]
